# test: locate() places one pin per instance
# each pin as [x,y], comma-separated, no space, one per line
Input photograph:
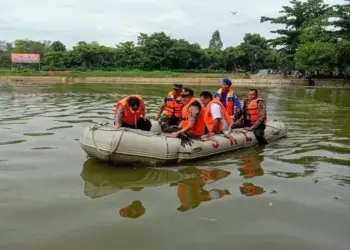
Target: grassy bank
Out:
[131,73]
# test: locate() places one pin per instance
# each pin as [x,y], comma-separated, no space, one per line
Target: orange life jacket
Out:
[130,117]
[250,189]
[230,104]
[206,176]
[173,106]
[253,111]
[199,126]
[188,193]
[209,120]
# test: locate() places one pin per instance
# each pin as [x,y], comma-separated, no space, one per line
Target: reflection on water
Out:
[250,167]
[249,189]
[132,211]
[191,192]
[291,194]
[102,179]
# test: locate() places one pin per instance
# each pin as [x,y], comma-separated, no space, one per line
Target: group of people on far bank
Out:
[188,115]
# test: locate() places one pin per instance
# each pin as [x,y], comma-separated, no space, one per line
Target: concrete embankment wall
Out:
[190,81]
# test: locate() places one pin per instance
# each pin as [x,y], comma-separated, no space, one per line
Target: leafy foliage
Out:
[156,51]
[315,38]
[215,41]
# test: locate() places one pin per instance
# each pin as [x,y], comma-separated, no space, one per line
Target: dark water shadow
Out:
[38,134]
[12,142]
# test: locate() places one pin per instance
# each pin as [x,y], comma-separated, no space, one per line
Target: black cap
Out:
[134,101]
[177,86]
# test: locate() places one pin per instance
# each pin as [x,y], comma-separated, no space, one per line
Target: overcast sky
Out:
[112,21]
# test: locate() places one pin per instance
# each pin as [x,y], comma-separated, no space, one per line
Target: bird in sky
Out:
[234,13]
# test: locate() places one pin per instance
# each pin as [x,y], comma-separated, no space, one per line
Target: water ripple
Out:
[12,142]
[41,159]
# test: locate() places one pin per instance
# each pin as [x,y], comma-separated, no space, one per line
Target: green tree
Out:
[128,55]
[255,49]
[183,55]
[214,59]
[29,46]
[153,50]
[215,42]
[235,58]
[294,16]
[57,46]
[317,57]
[310,41]
[343,56]
[343,19]
[5,46]
[317,30]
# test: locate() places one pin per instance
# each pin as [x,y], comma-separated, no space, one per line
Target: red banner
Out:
[25,58]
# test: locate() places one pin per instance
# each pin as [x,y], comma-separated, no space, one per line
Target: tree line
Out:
[316,39]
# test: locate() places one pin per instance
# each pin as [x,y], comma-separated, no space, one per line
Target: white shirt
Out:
[216,112]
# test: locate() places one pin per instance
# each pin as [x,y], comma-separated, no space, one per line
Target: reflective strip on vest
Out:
[173,106]
[230,104]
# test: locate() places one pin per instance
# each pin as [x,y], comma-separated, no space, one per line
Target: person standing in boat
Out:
[173,106]
[227,96]
[192,121]
[216,117]
[254,116]
[130,113]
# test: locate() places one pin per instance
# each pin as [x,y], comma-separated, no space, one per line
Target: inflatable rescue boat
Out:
[125,146]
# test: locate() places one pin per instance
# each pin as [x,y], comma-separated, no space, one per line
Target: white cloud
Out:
[112,21]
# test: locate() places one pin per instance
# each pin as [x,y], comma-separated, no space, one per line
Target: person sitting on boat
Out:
[130,113]
[254,116]
[216,117]
[192,122]
[228,98]
[173,106]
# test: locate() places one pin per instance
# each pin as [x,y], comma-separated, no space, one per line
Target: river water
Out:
[292,194]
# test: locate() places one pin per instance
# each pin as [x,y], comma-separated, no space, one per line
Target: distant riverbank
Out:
[254,81]
[124,73]
[159,77]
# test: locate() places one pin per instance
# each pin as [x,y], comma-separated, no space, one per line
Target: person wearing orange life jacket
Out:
[228,98]
[192,122]
[216,117]
[130,112]
[173,107]
[254,116]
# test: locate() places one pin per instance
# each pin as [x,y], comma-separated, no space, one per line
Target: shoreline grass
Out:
[130,73]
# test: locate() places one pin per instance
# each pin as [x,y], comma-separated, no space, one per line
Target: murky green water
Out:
[293,194]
